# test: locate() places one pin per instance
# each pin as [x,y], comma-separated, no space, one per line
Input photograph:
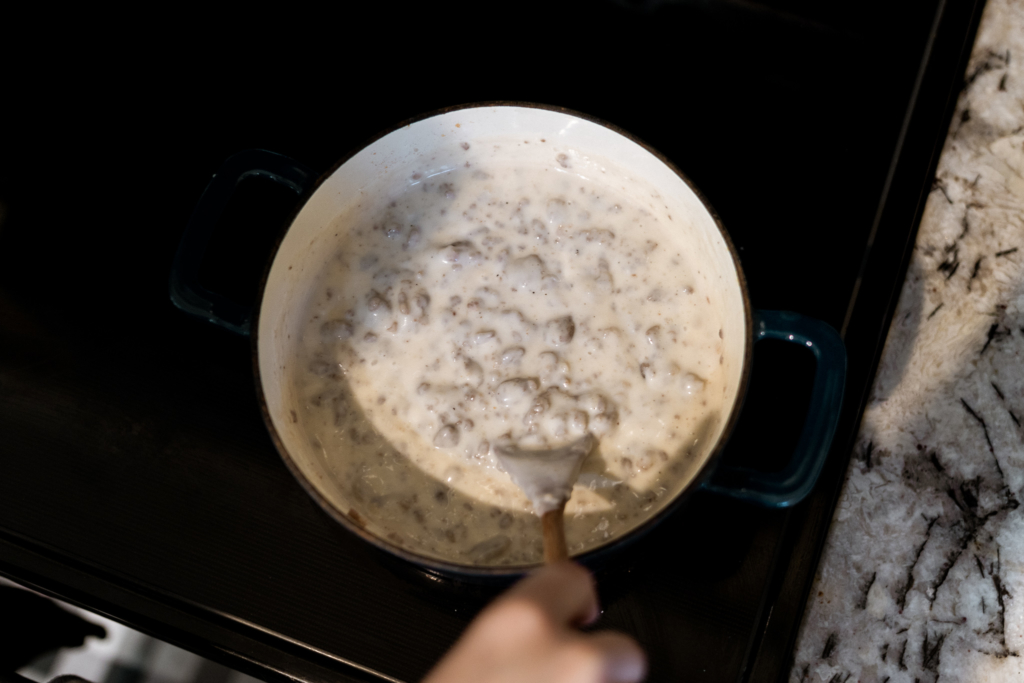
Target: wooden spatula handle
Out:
[554,537]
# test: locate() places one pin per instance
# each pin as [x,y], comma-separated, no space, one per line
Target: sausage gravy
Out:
[495,301]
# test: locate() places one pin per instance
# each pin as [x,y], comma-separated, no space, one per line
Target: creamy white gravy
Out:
[525,302]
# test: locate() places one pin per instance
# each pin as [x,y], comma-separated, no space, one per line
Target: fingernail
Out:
[628,670]
[628,667]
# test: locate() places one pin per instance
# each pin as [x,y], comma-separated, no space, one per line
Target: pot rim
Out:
[466,570]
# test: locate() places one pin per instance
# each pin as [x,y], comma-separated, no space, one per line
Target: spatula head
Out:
[546,477]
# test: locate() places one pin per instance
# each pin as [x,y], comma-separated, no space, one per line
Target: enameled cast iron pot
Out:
[297,260]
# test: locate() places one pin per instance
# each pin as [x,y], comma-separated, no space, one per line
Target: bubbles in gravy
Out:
[490,302]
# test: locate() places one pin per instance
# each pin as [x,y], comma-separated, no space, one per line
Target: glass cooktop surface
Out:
[138,477]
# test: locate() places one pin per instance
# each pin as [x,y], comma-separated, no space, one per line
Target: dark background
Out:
[784,114]
[138,479]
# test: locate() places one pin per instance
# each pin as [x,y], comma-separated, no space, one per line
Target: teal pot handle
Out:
[792,484]
[186,292]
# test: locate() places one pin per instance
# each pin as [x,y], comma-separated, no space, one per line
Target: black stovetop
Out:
[137,477]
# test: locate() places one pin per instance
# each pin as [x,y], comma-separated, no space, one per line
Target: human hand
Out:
[529,635]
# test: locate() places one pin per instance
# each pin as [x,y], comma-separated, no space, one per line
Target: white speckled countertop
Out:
[922,577]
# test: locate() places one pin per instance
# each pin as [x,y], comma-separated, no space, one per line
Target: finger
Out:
[624,661]
[565,591]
